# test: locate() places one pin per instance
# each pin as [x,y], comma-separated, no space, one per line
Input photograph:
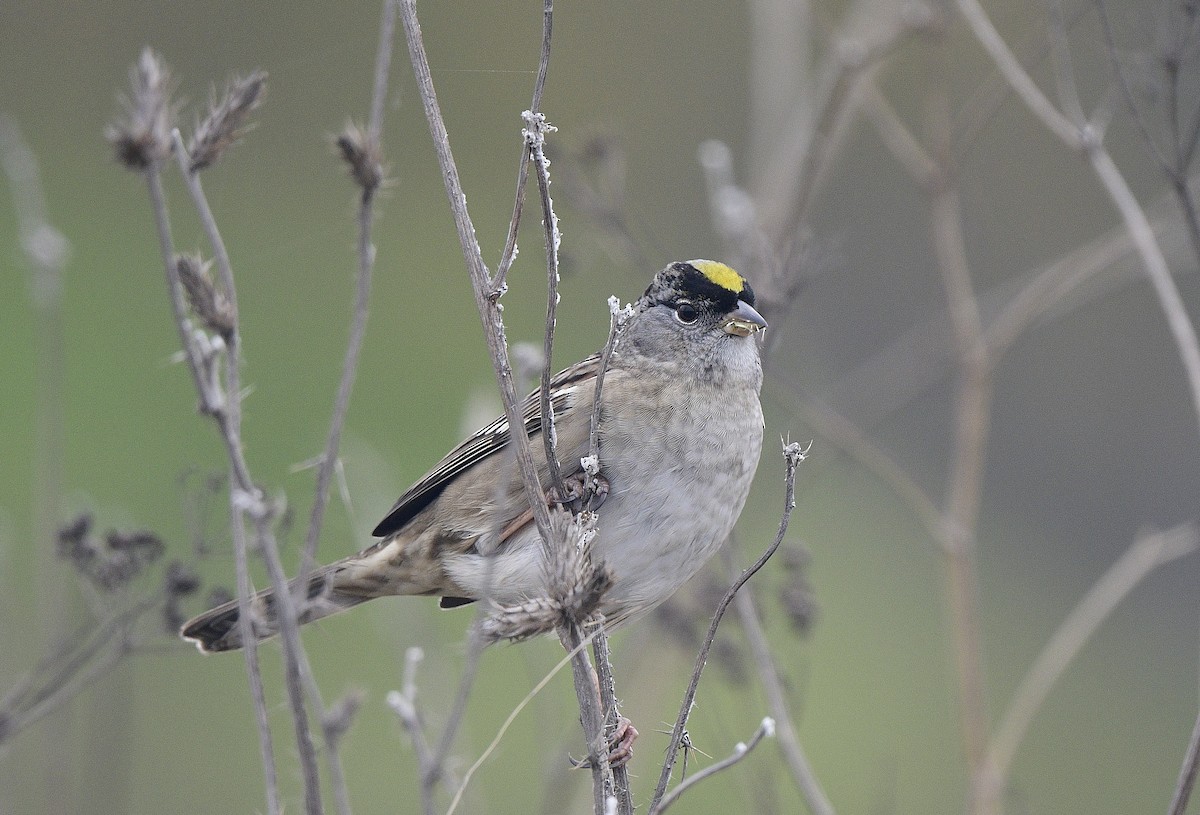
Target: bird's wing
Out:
[484,443]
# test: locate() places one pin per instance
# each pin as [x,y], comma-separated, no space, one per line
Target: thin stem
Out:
[1144,556]
[212,404]
[404,704]
[612,716]
[972,413]
[512,716]
[509,253]
[1016,76]
[1155,265]
[158,206]
[793,455]
[1187,773]
[293,651]
[590,714]
[73,665]
[535,139]
[245,624]
[1126,91]
[765,730]
[1176,169]
[493,326]
[433,768]
[789,741]
[362,297]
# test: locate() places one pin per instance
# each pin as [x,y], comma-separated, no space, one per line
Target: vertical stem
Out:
[793,455]
[207,404]
[590,714]
[612,717]
[493,326]
[971,423]
[362,297]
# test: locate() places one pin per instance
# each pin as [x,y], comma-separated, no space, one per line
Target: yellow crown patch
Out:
[724,276]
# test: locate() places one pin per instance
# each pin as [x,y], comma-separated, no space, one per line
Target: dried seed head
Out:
[340,714]
[111,562]
[364,155]
[576,585]
[142,135]
[226,119]
[796,595]
[180,580]
[210,304]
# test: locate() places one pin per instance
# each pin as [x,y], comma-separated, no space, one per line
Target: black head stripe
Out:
[682,280]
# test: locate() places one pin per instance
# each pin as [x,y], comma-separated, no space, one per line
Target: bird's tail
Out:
[218,629]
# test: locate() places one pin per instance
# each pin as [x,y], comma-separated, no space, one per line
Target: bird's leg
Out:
[620,743]
[576,489]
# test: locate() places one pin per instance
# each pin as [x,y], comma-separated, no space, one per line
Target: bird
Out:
[679,437]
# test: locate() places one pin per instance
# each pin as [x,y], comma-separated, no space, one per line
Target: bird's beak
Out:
[743,320]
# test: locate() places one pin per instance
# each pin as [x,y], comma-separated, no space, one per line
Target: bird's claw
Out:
[620,746]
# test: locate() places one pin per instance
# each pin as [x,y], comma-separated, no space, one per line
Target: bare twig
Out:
[1187,773]
[1084,137]
[807,143]
[1146,554]
[516,711]
[1016,76]
[433,767]
[536,128]
[144,141]
[618,316]
[47,251]
[789,741]
[404,704]
[509,253]
[81,659]
[263,517]
[370,148]
[1155,265]
[485,300]
[246,498]
[1183,144]
[765,730]
[590,714]
[612,717]
[972,413]
[793,454]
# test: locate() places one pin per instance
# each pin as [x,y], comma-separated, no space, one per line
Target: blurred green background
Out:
[1093,440]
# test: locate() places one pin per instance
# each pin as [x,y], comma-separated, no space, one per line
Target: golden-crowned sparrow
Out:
[680,432]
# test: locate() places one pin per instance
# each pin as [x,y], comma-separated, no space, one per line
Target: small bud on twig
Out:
[224,124]
[364,155]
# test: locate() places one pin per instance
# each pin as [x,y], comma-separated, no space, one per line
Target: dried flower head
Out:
[362,152]
[210,303]
[226,119]
[179,581]
[142,136]
[576,584]
[109,562]
[796,595]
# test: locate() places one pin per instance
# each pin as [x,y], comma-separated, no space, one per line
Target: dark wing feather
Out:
[484,443]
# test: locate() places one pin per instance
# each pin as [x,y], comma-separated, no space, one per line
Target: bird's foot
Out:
[620,746]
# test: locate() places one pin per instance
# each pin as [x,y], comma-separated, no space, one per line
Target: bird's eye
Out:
[686,313]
